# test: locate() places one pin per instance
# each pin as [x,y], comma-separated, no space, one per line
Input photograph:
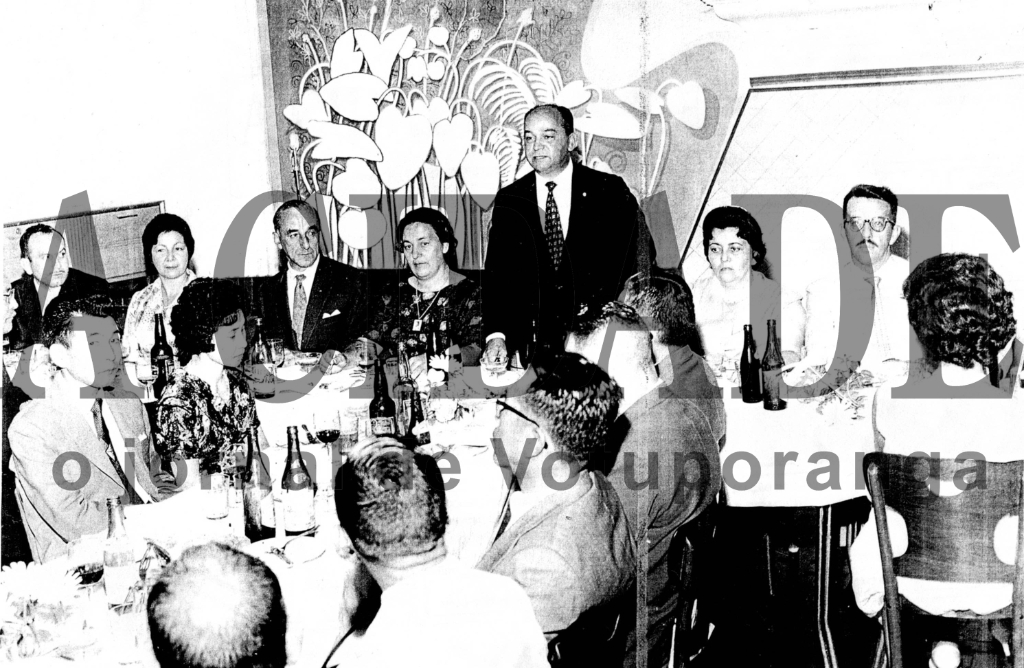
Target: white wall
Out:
[137,102]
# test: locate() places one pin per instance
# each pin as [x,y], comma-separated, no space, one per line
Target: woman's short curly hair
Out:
[959,309]
[205,305]
[747,229]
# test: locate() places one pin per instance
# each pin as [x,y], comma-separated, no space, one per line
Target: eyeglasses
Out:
[8,294]
[503,406]
[877,224]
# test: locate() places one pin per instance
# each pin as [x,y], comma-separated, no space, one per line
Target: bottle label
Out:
[298,509]
[382,426]
[118,581]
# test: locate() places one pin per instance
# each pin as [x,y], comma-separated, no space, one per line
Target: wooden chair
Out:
[597,639]
[950,538]
[690,557]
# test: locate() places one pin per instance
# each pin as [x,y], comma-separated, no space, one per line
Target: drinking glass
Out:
[276,351]
[349,433]
[217,497]
[327,423]
[146,373]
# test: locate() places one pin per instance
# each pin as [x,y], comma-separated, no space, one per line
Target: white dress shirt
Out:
[309,274]
[451,616]
[563,197]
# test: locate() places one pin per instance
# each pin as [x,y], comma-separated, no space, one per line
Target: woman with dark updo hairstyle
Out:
[207,405]
[738,290]
[433,299]
[962,315]
[167,248]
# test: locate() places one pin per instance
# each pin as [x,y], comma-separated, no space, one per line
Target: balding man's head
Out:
[216,607]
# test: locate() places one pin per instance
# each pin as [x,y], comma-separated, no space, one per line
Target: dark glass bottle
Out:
[409,398]
[382,407]
[750,368]
[255,489]
[771,371]
[161,356]
[297,489]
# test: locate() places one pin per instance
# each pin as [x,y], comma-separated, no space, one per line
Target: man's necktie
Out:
[553,227]
[299,309]
[104,435]
[506,517]
[879,335]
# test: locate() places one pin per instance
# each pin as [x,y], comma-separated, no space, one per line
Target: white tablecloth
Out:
[758,443]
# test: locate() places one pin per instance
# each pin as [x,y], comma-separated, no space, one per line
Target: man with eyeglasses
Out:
[872,290]
[314,304]
[563,534]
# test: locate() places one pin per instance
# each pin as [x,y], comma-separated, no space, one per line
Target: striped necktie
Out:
[553,227]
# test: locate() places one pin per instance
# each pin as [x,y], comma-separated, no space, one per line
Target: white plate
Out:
[298,549]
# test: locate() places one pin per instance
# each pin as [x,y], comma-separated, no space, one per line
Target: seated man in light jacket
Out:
[86,440]
[564,536]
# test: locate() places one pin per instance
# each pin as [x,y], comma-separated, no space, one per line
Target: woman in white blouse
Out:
[167,247]
[737,290]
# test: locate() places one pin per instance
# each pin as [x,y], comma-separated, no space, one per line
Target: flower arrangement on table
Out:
[37,612]
[843,391]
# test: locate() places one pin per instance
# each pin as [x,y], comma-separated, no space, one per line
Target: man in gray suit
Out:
[564,536]
[86,440]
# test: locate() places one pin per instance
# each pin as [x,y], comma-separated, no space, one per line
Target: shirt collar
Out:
[308,272]
[563,179]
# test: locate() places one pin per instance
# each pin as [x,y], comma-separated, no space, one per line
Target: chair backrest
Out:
[950,538]
[597,639]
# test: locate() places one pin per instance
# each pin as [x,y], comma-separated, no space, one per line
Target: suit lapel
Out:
[284,313]
[532,518]
[315,303]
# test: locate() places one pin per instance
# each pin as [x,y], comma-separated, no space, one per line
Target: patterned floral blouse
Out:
[455,309]
[195,422]
[138,324]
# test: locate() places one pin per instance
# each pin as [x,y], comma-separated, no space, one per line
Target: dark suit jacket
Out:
[335,311]
[28,322]
[14,544]
[571,552]
[599,254]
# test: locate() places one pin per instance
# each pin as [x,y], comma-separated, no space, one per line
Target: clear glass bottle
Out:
[120,572]
[297,489]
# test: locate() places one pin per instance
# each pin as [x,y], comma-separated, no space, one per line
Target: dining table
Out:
[794,500]
[323,584]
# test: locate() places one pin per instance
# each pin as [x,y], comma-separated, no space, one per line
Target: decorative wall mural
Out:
[393,104]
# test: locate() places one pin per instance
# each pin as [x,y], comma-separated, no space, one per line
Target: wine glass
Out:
[327,423]
[276,351]
[146,374]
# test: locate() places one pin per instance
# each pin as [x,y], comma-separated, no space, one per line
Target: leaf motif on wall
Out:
[507,145]
[543,78]
[503,93]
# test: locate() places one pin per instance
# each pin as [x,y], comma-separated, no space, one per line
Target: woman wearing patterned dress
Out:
[435,300]
[207,405]
[167,246]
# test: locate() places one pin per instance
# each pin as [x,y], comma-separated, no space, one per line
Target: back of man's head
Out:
[390,501]
[216,607]
[614,337]
[576,403]
[665,302]
[59,322]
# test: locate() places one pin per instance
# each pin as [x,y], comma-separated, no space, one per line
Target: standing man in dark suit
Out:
[49,280]
[561,237]
[314,304]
